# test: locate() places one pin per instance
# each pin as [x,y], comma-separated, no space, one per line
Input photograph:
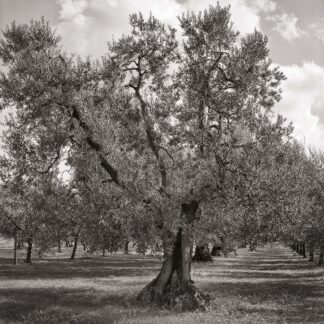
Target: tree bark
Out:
[59,246]
[29,249]
[173,286]
[15,246]
[84,246]
[74,247]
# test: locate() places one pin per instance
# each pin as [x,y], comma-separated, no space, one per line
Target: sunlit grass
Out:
[267,286]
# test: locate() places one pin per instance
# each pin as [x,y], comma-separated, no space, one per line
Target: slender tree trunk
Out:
[294,247]
[74,247]
[311,256]
[303,250]
[84,246]
[19,245]
[29,249]
[103,251]
[224,242]
[311,252]
[15,246]
[321,256]
[298,248]
[59,246]
[173,286]
[126,243]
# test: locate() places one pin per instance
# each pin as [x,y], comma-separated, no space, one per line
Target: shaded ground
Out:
[270,285]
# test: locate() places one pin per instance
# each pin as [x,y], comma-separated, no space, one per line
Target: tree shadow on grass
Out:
[35,304]
[81,268]
[285,286]
[268,275]
[80,287]
[292,302]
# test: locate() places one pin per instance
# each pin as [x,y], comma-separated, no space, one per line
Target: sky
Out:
[295,29]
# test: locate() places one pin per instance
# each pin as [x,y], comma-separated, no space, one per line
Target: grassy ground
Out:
[270,285]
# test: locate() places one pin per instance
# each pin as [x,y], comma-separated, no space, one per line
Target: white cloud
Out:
[87,25]
[303,102]
[286,26]
[244,15]
[317,29]
[70,9]
[262,5]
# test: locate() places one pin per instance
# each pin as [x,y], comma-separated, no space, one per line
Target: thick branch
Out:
[98,148]
[12,221]
[149,127]
[226,78]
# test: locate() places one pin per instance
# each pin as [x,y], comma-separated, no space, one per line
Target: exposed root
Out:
[182,298]
[187,298]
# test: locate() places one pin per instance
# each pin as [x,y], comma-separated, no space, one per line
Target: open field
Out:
[271,285]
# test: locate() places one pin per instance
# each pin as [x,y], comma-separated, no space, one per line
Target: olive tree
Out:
[167,123]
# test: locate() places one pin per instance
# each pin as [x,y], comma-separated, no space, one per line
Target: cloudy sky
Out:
[295,29]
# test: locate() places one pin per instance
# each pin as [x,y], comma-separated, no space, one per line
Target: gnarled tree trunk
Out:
[173,286]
